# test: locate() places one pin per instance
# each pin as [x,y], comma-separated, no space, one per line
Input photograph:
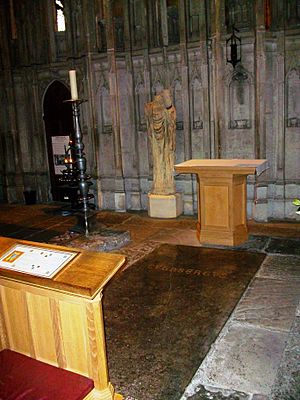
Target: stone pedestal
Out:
[165,206]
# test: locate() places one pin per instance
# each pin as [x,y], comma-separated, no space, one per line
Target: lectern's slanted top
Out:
[238,166]
[85,275]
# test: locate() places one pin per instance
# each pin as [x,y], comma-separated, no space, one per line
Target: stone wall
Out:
[125,52]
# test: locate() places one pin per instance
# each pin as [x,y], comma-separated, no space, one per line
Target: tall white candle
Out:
[73,84]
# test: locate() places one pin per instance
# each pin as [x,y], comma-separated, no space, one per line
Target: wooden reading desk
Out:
[222,197]
[59,320]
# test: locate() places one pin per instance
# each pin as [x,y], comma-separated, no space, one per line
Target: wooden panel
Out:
[3,332]
[40,319]
[98,361]
[16,321]
[239,204]
[215,200]
[75,336]
[57,332]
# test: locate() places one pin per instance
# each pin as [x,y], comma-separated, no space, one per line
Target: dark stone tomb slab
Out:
[163,313]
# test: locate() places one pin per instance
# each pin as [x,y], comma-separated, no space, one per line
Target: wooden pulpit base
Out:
[222,198]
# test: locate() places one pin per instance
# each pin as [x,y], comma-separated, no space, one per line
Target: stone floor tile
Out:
[215,394]
[178,236]
[280,267]
[139,233]
[244,359]
[254,243]
[269,303]
[284,246]
[287,383]
[276,229]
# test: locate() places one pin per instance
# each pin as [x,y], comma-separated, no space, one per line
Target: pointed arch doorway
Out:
[59,129]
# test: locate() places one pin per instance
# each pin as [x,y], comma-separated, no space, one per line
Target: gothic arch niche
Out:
[292,98]
[177,100]
[141,100]
[239,100]
[118,18]
[58,122]
[196,104]
[106,162]
[105,107]
[157,88]
[239,13]
[138,23]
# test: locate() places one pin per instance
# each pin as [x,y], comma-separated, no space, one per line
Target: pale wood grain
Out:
[222,197]
[85,275]
[60,324]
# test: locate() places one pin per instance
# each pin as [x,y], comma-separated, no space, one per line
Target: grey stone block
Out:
[244,359]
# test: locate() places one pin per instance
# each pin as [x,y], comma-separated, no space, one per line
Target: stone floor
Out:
[257,353]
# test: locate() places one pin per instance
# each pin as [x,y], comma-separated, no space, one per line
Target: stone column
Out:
[206,75]
[217,16]
[260,75]
[185,81]
[120,203]
[13,174]
[260,206]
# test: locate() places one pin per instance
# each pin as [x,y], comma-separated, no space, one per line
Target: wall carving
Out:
[240,14]
[240,100]
[141,100]
[293,96]
[293,12]
[194,19]
[105,107]
[196,103]
[177,101]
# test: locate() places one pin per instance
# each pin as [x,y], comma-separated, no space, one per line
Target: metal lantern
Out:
[233,48]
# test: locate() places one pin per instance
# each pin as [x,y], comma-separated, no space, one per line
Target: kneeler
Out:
[23,378]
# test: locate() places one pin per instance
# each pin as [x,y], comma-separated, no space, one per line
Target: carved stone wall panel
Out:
[239,13]
[158,74]
[194,17]
[127,126]
[292,13]
[196,94]
[240,100]
[142,95]
[292,151]
[138,23]
[292,98]
[104,105]
[238,136]
[24,129]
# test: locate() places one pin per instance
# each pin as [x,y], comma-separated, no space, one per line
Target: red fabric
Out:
[23,378]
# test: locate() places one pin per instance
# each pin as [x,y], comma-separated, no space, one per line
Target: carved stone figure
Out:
[161,124]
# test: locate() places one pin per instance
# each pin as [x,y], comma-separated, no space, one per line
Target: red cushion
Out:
[23,378]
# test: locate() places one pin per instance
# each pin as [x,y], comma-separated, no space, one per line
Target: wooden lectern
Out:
[58,320]
[222,197]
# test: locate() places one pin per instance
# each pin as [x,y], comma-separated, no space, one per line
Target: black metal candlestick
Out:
[84,221]
[99,237]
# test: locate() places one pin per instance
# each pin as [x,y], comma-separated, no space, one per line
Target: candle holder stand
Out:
[97,236]
[86,218]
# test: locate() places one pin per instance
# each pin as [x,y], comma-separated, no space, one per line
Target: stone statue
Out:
[161,124]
